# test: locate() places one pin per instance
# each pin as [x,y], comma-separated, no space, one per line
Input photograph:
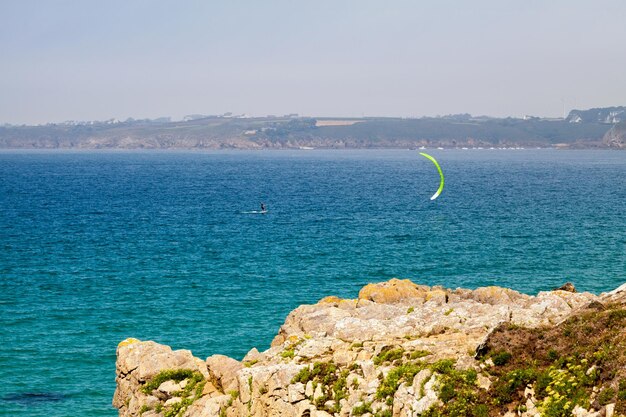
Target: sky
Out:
[95,60]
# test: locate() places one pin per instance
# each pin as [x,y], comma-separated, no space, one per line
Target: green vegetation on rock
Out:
[175,375]
[388,354]
[332,379]
[188,394]
[500,358]
[563,364]
[365,407]
[403,373]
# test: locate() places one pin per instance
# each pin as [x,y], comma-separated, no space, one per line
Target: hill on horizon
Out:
[581,129]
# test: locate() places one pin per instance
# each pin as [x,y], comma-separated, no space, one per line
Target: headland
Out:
[401,349]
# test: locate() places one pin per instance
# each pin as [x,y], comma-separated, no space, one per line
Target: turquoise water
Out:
[97,247]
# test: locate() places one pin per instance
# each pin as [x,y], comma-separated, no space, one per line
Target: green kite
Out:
[434,161]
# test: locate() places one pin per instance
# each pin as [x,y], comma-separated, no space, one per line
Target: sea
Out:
[98,246]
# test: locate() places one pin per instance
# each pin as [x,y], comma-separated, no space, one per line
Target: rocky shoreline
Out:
[402,349]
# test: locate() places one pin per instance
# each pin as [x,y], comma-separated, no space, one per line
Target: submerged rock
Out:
[31,398]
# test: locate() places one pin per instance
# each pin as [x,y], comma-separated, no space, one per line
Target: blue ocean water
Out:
[99,246]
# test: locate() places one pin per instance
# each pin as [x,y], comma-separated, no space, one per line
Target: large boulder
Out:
[497,295]
[146,359]
[392,291]
[138,362]
[223,371]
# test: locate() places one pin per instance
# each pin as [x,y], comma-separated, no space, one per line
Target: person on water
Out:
[263,207]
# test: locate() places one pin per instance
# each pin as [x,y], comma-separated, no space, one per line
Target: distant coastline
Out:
[589,129]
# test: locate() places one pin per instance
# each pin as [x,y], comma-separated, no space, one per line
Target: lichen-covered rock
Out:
[392,291]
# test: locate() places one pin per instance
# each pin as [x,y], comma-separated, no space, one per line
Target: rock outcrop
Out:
[616,136]
[399,349]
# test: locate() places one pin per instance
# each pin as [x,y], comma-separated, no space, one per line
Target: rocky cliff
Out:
[608,115]
[294,133]
[616,136]
[402,349]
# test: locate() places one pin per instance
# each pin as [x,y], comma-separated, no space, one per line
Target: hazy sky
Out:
[94,60]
